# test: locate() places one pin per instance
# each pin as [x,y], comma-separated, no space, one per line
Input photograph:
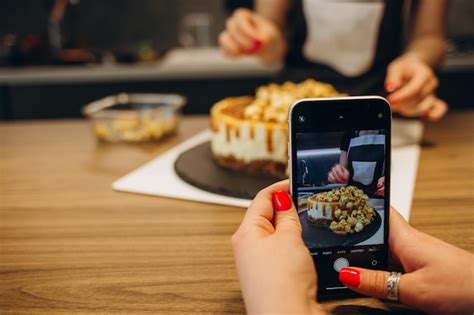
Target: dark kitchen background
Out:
[54,61]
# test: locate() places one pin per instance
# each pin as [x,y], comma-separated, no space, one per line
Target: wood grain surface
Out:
[69,244]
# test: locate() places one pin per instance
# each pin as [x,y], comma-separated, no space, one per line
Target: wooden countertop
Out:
[68,243]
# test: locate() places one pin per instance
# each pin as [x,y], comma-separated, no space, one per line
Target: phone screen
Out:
[340,184]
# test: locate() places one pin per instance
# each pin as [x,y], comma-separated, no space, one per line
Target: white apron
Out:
[343,34]
[365,153]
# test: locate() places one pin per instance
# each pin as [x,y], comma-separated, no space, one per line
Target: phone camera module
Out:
[380,115]
[301,119]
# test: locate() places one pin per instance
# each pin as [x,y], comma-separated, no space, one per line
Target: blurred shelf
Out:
[459,63]
[178,64]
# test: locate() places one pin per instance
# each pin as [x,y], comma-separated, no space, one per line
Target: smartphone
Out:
[339,165]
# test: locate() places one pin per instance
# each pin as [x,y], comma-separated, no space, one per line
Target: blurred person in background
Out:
[355,45]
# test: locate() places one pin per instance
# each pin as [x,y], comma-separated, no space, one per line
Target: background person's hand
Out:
[411,85]
[275,268]
[248,33]
[439,277]
[338,174]
[380,187]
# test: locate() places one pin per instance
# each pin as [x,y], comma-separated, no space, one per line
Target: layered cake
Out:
[345,210]
[250,133]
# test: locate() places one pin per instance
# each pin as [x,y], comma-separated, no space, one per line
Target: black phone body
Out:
[353,132]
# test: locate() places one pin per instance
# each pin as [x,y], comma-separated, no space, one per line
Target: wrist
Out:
[411,56]
[316,308]
[305,300]
[275,52]
[289,301]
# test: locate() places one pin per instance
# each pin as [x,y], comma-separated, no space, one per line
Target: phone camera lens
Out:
[341,117]
[301,119]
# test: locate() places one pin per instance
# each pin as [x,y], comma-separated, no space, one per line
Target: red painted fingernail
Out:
[281,200]
[257,43]
[425,117]
[392,101]
[390,87]
[350,277]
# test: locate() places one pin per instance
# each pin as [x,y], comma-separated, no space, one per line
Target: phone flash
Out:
[380,115]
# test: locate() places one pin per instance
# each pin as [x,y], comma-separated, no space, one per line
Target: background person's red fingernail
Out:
[257,43]
[281,200]
[390,87]
[350,277]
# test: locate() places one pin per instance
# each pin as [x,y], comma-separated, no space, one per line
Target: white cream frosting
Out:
[316,210]
[242,146]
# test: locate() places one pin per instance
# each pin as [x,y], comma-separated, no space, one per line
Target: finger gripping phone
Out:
[339,164]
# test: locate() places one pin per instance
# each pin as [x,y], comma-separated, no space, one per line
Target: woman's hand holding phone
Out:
[275,268]
[248,33]
[277,274]
[439,277]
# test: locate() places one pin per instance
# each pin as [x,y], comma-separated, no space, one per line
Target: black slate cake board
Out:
[198,168]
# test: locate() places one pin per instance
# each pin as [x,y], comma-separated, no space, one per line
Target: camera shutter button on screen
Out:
[340,263]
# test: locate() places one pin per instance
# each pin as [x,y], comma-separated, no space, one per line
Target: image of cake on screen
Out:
[341,187]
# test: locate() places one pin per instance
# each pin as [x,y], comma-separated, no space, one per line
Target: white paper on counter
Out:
[158,177]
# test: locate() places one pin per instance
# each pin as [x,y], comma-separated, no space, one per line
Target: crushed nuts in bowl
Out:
[134,117]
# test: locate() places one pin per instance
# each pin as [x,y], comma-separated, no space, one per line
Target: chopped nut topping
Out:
[353,212]
[273,101]
[132,128]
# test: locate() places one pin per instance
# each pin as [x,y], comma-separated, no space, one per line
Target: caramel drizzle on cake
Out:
[213,125]
[227,132]
[269,140]
[252,131]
